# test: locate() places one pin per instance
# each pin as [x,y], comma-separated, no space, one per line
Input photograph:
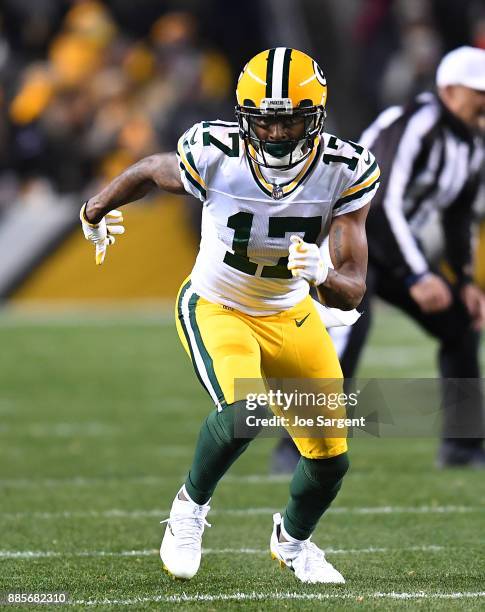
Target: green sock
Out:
[216,451]
[314,486]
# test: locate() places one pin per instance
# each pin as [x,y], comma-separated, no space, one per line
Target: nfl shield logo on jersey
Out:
[277,193]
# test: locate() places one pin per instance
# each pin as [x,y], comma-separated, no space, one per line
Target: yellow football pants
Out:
[225,344]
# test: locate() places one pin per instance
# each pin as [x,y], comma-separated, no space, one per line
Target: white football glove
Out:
[305,261]
[102,233]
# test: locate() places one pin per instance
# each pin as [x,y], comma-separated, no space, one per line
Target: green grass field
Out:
[98,421]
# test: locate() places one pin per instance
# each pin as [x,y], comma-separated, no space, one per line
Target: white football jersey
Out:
[247,221]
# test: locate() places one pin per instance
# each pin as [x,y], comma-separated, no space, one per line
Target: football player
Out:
[273,185]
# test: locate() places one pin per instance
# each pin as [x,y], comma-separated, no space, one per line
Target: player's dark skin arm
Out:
[134,183]
[344,287]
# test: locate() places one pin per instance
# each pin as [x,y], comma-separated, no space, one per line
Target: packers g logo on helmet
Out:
[281,82]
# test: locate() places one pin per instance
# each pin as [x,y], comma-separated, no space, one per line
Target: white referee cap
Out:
[463,66]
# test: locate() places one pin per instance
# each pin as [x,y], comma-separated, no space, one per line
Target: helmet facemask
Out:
[282,154]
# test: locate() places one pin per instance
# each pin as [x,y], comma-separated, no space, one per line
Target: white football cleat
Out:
[302,557]
[181,548]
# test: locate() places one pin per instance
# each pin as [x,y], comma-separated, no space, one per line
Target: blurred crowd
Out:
[81,97]
[89,86]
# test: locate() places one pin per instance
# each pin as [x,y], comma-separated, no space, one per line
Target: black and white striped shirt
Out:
[429,162]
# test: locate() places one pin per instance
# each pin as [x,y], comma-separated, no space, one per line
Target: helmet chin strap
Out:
[284,160]
[279,149]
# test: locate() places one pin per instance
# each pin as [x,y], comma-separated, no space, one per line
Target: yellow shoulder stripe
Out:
[363,185]
[189,167]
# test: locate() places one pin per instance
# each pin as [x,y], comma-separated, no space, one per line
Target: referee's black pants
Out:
[458,354]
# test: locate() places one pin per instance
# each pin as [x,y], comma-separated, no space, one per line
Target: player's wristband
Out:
[84,218]
[322,274]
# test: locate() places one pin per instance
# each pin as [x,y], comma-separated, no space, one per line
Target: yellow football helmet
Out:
[277,83]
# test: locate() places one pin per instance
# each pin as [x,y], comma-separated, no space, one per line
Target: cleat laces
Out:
[187,529]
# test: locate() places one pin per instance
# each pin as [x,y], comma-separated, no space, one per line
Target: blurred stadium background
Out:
[95,391]
[88,87]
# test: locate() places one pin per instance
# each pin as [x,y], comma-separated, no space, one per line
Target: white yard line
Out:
[149,480]
[408,510]
[275,596]
[39,554]
[60,430]
[79,481]
[332,551]
[260,511]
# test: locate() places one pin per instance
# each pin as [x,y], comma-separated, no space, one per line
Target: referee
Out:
[430,154]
